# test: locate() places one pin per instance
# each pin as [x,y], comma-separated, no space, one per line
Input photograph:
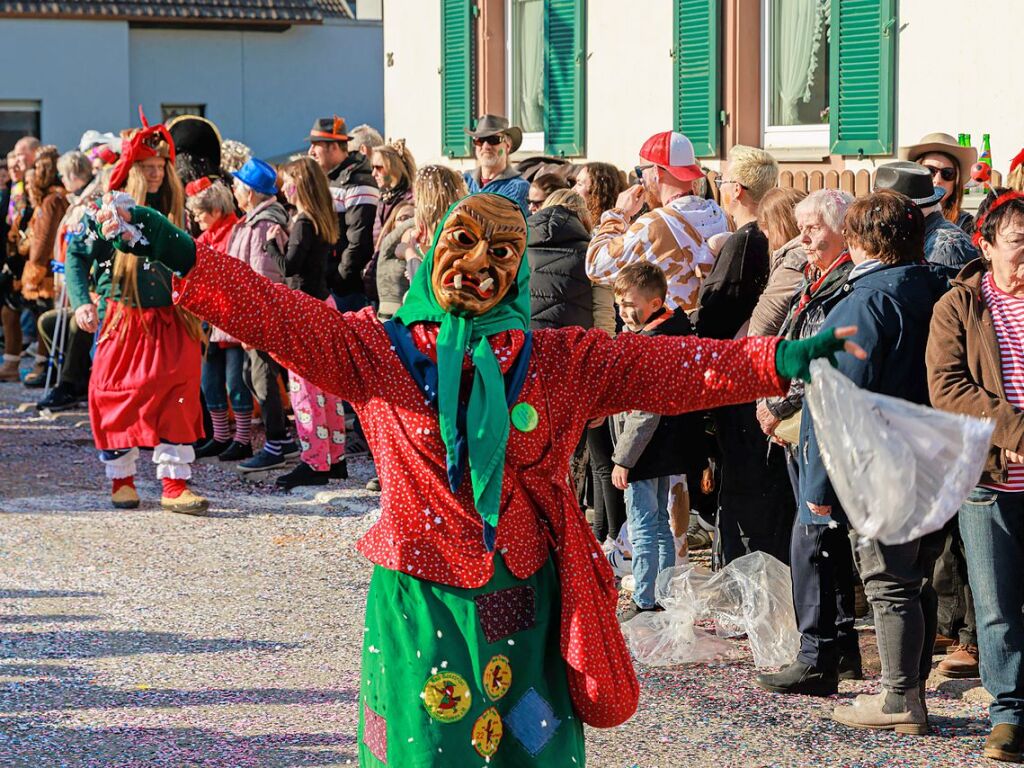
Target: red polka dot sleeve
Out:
[668,374]
[335,351]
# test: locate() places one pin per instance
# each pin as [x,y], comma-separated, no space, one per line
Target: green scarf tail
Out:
[487,419]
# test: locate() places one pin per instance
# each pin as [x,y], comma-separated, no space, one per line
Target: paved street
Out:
[143,638]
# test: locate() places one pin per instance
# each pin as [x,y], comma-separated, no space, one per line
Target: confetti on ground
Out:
[143,639]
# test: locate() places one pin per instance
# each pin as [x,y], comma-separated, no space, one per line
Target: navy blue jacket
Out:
[892,308]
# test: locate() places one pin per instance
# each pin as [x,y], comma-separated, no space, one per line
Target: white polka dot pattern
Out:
[427,531]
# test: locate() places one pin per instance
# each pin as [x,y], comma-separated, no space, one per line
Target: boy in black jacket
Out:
[651,452]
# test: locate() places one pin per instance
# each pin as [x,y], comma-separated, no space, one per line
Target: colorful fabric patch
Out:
[506,612]
[487,732]
[532,722]
[497,677]
[375,734]
[446,697]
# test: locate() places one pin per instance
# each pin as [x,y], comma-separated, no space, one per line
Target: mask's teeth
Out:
[487,284]
[457,282]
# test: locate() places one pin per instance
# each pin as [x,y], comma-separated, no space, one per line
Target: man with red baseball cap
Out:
[673,234]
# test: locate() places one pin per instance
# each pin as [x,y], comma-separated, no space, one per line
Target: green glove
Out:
[793,358]
[168,245]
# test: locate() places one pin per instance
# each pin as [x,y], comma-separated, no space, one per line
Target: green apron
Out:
[466,677]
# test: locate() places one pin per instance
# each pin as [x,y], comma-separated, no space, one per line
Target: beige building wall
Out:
[412,83]
[966,84]
[629,77]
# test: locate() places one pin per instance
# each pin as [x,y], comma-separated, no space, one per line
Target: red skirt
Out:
[144,388]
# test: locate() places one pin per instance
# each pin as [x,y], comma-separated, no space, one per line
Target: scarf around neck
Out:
[487,412]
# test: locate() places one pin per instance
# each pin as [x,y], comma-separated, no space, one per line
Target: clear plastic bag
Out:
[900,470]
[752,595]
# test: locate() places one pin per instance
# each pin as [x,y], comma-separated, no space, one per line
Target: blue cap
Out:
[258,175]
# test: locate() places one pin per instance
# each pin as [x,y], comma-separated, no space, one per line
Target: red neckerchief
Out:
[813,287]
[652,323]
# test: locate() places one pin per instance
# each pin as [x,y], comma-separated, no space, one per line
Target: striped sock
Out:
[221,429]
[243,427]
[273,447]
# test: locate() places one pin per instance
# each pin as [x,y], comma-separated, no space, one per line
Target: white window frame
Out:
[783,136]
[534,140]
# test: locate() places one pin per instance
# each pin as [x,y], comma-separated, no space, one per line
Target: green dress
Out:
[471,676]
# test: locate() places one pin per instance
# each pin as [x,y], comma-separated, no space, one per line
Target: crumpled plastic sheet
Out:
[752,595]
[900,470]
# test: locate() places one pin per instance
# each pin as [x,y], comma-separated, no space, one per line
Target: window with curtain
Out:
[526,69]
[796,72]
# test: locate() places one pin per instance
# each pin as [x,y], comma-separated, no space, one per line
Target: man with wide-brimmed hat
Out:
[355,197]
[493,141]
[944,242]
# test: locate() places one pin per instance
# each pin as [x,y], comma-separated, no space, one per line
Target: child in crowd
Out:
[259,241]
[651,450]
[319,416]
[212,208]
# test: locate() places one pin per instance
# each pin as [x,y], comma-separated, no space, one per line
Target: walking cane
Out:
[55,360]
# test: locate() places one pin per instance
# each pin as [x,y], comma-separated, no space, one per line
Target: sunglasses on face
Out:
[492,140]
[377,167]
[533,205]
[639,171]
[947,174]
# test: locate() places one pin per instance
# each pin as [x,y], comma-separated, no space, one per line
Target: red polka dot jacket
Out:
[430,533]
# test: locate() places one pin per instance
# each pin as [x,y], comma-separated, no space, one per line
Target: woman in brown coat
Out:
[49,205]
[976,366]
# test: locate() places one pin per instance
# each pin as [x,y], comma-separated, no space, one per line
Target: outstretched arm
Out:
[307,336]
[673,374]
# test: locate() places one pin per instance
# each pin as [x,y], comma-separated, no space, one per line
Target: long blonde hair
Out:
[572,201]
[398,162]
[171,203]
[313,197]
[435,189]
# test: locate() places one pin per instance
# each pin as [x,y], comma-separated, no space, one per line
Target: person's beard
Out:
[651,197]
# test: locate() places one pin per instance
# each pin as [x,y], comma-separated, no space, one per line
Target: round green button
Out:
[525,418]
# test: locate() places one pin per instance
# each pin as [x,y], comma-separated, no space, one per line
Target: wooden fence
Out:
[856,183]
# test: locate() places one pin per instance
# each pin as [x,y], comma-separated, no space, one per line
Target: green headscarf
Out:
[487,416]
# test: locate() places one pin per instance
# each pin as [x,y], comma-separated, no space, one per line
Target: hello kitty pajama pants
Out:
[319,421]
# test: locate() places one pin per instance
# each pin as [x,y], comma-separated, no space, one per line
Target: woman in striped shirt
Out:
[976,366]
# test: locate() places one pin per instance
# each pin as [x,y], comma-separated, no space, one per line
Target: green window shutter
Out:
[565,59]
[697,73]
[863,56]
[456,77]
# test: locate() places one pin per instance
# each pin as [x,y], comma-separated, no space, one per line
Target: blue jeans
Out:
[222,377]
[654,548]
[992,527]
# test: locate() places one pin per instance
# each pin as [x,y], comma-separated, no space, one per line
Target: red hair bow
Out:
[1017,160]
[193,188]
[998,202]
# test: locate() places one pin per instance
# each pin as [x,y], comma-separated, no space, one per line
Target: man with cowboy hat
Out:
[355,196]
[493,141]
[944,242]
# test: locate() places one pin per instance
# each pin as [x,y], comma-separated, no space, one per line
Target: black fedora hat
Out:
[910,179]
[494,125]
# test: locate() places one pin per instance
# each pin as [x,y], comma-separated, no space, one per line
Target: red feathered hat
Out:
[141,146]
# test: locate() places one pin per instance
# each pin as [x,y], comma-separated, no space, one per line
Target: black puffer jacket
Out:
[561,294]
[649,445]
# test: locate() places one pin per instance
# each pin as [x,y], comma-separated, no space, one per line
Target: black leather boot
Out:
[800,678]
